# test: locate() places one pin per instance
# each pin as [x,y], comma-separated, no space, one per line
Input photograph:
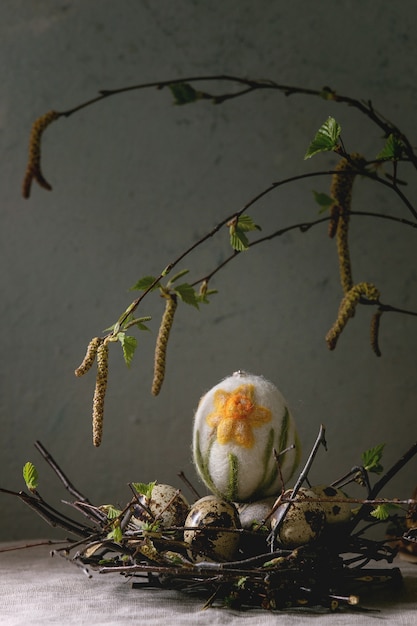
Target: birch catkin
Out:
[33,169]
[89,358]
[100,392]
[162,342]
[341,192]
[347,309]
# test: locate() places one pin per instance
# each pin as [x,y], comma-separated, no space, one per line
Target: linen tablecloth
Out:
[36,588]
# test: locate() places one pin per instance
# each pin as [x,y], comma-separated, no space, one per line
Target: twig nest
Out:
[166,505]
[303,523]
[208,542]
[332,501]
[237,426]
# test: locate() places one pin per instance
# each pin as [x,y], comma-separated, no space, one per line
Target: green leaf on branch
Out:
[237,229]
[392,150]
[203,296]
[144,489]
[245,223]
[326,139]
[371,459]
[183,93]
[139,322]
[30,476]
[176,277]
[187,294]
[116,534]
[323,200]
[145,283]
[110,511]
[129,345]
[239,241]
[383,511]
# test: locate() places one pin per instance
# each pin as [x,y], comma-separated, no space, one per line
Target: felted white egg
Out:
[206,540]
[237,425]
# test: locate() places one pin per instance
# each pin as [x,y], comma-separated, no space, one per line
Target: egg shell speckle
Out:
[212,545]
[166,504]
[337,512]
[303,522]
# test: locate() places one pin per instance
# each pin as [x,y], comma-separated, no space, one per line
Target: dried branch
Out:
[58,471]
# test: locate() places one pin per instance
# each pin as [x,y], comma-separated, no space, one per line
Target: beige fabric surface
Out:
[37,589]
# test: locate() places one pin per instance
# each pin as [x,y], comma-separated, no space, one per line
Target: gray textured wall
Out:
[137,180]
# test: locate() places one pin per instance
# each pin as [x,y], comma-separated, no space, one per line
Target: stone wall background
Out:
[136,180]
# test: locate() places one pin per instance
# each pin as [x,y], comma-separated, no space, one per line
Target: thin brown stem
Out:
[58,471]
[364,107]
[320,441]
[34,544]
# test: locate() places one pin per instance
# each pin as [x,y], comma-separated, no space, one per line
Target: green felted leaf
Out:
[266,458]
[203,462]
[30,476]
[326,138]
[392,150]
[233,485]
[269,480]
[371,459]
[283,436]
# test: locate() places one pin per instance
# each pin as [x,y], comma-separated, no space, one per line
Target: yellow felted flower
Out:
[236,414]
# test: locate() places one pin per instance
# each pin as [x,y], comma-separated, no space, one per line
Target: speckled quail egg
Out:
[338,511]
[212,545]
[166,505]
[303,522]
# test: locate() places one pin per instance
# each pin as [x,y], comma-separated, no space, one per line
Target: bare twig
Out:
[58,471]
[320,441]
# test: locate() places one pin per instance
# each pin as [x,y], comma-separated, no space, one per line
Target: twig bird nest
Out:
[251,542]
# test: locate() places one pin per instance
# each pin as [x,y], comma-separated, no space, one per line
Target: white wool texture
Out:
[232,470]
